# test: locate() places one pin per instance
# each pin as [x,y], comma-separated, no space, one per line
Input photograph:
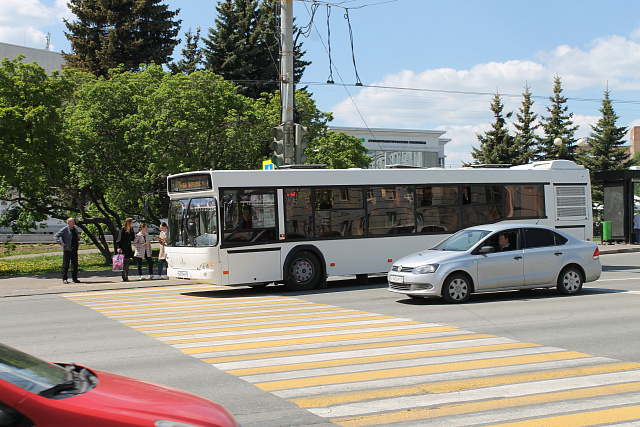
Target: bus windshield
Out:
[193,222]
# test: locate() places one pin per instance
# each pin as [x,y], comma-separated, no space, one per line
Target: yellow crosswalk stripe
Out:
[374,359]
[216,320]
[459,385]
[584,419]
[484,406]
[418,370]
[321,339]
[273,325]
[400,343]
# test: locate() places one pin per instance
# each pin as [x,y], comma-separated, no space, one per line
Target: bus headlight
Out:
[206,266]
[425,269]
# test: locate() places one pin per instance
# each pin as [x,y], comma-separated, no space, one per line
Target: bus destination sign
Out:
[190,183]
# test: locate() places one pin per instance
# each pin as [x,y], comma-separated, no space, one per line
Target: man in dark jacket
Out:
[69,238]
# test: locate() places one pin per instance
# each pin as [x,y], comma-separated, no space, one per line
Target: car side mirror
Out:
[486,250]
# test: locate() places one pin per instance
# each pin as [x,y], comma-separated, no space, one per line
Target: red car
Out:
[37,393]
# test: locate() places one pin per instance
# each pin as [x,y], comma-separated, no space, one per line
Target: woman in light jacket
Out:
[162,239]
[142,242]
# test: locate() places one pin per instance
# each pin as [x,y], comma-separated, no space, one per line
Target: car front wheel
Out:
[570,281]
[456,289]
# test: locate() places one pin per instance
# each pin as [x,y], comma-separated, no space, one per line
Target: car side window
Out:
[538,237]
[560,239]
[503,241]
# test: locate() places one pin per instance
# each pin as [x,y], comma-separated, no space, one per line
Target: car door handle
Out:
[558,253]
[517,257]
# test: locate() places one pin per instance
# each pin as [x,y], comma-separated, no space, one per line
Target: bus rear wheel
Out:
[303,272]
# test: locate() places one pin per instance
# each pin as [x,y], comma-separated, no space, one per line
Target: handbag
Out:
[118,262]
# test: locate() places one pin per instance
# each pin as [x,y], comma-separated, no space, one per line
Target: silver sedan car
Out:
[497,257]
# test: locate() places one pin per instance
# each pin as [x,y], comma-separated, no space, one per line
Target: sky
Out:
[427,64]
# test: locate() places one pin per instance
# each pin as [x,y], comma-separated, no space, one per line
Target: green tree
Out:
[338,151]
[244,46]
[191,55]
[557,125]
[496,145]
[37,162]
[129,32]
[605,146]
[525,137]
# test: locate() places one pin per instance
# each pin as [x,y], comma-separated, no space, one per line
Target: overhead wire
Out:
[353,55]
[336,68]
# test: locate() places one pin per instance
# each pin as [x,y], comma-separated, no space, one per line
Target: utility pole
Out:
[287,87]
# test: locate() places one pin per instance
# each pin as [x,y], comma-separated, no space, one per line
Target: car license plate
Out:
[183,274]
[396,279]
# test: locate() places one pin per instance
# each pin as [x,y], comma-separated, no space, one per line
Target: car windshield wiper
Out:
[58,388]
[74,381]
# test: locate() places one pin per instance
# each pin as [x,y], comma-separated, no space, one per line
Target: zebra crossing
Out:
[357,368]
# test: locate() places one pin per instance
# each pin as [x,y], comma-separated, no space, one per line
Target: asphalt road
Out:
[93,326]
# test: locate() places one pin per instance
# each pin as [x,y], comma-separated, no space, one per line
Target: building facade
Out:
[46,59]
[402,147]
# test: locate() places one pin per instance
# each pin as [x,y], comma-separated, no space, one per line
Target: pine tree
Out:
[605,150]
[557,125]
[108,33]
[525,139]
[244,46]
[497,145]
[191,55]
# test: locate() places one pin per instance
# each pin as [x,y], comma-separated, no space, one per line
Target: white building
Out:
[406,147]
[46,59]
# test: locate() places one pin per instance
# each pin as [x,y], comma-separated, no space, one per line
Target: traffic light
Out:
[301,143]
[277,145]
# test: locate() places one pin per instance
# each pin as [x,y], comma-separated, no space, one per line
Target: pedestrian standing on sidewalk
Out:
[142,243]
[636,227]
[69,238]
[123,246]
[162,239]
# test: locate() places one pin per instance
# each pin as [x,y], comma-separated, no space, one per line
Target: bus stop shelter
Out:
[619,189]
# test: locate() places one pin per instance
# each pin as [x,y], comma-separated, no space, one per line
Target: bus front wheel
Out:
[304,272]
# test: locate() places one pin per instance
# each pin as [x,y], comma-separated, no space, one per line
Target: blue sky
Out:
[440,62]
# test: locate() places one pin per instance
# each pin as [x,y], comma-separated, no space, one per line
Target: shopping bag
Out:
[118,262]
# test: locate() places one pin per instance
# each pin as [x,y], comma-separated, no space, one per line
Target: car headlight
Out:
[425,269]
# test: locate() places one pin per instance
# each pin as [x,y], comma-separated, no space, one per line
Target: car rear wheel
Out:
[570,281]
[456,288]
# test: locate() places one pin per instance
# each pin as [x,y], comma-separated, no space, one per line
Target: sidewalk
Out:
[101,280]
[95,280]
[617,248]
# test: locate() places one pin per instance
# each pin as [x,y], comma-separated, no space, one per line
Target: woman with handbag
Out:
[123,246]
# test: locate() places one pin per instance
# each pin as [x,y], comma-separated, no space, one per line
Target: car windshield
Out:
[29,372]
[462,241]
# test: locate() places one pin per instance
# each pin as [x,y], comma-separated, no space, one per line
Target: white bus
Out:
[298,226]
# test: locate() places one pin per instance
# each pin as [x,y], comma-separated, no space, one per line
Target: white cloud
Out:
[24,22]
[452,100]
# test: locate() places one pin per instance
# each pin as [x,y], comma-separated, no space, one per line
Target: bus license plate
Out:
[396,279]
[183,274]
